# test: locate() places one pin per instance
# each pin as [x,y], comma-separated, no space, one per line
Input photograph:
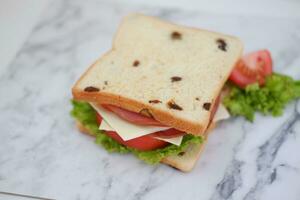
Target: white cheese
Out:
[125,129]
[105,126]
[221,114]
[128,131]
[176,140]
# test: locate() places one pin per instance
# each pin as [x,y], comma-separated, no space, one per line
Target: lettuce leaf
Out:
[85,114]
[269,99]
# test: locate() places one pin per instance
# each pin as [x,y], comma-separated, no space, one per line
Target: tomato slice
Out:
[253,67]
[98,118]
[143,143]
[133,117]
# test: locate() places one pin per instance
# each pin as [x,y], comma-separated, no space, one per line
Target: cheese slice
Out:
[221,114]
[125,129]
[176,140]
[128,131]
[105,126]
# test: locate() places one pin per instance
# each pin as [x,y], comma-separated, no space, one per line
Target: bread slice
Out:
[184,162]
[172,72]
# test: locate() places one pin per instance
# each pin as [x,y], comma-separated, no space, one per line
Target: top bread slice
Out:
[170,72]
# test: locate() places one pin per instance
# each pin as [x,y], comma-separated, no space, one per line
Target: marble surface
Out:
[42,153]
[17,18]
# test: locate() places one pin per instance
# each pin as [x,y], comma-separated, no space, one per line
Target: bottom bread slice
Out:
[184,162]
[188,160]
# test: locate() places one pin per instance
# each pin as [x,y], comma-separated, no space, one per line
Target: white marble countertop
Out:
[42,153]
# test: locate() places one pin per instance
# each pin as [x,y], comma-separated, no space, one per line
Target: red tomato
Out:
[143,143]
[132,117]
[99,119]
[253,67]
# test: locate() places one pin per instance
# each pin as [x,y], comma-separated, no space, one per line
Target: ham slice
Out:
[133,117]
[169,133]
[140,119]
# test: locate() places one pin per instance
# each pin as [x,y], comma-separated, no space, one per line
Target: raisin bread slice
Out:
[171,72]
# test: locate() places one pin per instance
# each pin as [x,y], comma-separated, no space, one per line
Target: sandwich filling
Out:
[123,131]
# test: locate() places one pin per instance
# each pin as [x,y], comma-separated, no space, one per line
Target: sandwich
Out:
[157,92]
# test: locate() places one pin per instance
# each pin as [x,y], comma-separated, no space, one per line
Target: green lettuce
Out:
[271,98]
[85,114]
